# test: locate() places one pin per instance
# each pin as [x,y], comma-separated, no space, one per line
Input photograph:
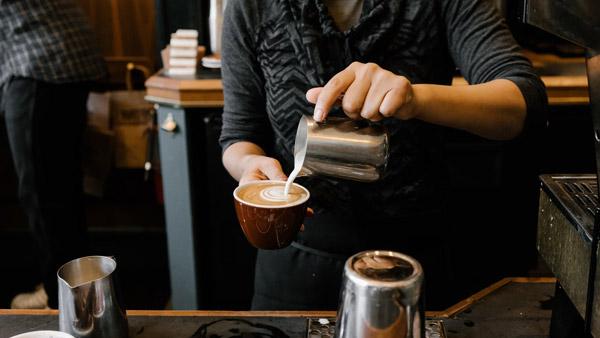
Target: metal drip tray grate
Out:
[584,193]
[325,328]
[577,196]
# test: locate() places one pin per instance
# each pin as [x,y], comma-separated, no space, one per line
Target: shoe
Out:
[37,299]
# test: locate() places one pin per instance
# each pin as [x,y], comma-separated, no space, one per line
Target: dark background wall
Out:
[174,14]
[136,30]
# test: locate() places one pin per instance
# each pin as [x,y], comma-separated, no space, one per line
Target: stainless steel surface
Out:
[381,297]
[88,302]
[573,20]
[564,236]
[564,249]
[325,328]
[434,329]
[343,148]
[215,24]
[577,198]
[579,22]
[593,73]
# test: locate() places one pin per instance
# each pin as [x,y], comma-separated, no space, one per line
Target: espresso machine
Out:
[569,212]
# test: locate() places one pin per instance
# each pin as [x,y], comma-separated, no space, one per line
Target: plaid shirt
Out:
[48,40]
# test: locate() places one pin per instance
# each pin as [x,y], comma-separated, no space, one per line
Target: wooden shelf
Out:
[202,90]
[562,90]
[207,91]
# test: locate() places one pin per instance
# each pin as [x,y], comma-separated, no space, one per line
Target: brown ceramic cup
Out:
[270,226]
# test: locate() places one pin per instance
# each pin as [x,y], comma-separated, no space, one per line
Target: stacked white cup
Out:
[183,52]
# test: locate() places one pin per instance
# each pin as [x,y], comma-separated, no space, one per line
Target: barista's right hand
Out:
[260,167]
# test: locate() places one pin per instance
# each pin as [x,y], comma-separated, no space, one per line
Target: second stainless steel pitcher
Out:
[88,301]
[381,297]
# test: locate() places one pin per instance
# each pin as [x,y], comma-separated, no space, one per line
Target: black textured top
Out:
[48,40]
[275,50]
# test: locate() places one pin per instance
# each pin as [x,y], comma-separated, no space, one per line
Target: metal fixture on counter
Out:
[215,24]
[169,124]
[325,328]
[89,303]
[381,297]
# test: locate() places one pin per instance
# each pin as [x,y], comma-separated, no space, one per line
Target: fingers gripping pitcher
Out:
[356,150]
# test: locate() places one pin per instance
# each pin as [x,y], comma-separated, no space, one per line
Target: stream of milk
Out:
[298,163]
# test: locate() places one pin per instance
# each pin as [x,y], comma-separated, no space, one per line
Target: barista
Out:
[393,61]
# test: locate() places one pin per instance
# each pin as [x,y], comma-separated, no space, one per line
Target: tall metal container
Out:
[381,297]
[88,300]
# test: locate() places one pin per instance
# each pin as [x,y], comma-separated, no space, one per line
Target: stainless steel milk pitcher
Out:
[381,297]
[343,148]
[88,302]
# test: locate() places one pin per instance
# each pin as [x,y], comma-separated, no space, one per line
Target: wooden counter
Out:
[203,90]
[562,90]
[190,92]
[513,307]
[565,80]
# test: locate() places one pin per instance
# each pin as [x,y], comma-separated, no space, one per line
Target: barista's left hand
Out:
[309,213]
[368,92]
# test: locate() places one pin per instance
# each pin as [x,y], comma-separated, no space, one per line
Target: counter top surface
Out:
[565,80]
[515,307]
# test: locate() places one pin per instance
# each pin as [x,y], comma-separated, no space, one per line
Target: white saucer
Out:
[43,334]
[211,61]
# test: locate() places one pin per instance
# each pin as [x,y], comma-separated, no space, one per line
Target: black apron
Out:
[307,275]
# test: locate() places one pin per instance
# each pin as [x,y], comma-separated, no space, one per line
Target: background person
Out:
[48,60]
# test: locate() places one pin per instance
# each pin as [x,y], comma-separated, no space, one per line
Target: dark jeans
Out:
[45,124]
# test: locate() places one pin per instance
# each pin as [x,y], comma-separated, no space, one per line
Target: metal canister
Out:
[381,297]
[89,303]
[340,147]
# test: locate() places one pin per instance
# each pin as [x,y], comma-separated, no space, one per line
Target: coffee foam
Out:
[270,193]
[273,194]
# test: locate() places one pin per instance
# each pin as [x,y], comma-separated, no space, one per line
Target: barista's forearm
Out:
[494,110]
[236,156]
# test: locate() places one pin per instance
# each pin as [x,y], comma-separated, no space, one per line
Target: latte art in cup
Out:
[269,218]
[269,193]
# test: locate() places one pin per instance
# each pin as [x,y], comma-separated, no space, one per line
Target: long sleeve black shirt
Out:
[275,50]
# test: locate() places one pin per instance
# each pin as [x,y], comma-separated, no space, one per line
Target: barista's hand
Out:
[309,213]
[259,167]
[368,91]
